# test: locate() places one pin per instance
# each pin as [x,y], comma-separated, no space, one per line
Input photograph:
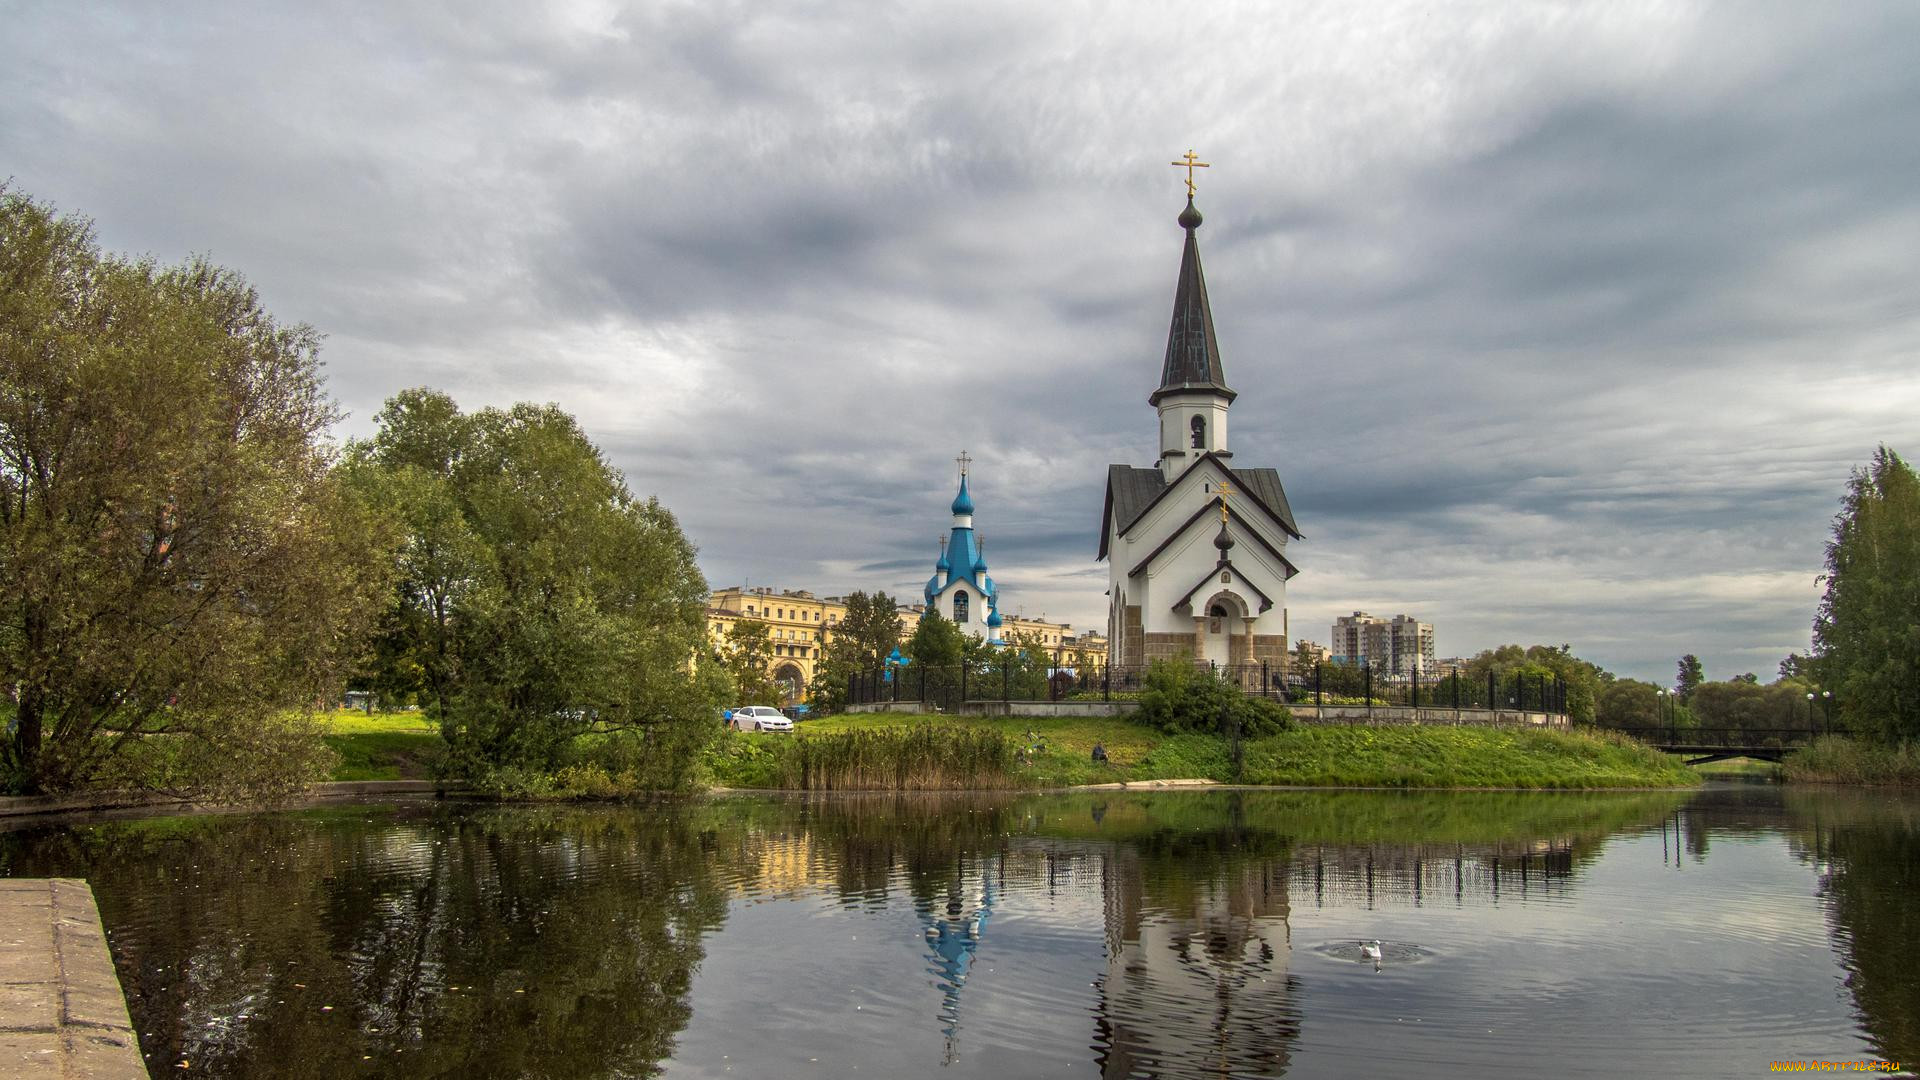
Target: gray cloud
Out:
[1561,324]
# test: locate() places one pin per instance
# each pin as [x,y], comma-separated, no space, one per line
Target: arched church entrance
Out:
[791,681]
[1223,613]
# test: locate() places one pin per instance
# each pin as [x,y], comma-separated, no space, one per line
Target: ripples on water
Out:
[1115,935]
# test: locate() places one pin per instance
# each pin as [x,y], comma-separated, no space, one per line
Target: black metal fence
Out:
[1324,684]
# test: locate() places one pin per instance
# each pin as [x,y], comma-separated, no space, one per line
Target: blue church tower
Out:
[961,589]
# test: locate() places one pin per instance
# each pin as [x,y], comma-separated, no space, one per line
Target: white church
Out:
[1195,546]
[960,588]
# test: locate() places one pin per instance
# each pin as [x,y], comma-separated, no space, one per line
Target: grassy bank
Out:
[1836,759]
[1058,753]
[382,746]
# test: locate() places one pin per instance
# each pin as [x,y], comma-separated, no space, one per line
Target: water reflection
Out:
[1867,851]
[1143,935]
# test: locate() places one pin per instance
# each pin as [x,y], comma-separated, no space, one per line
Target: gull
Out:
[1371,950]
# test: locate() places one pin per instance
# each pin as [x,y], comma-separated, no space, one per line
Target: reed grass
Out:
[922,757]
[1836,759]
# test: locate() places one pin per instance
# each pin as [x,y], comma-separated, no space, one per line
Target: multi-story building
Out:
[800,625]
[1398,646]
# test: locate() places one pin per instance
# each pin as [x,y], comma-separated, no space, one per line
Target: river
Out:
[1111,934]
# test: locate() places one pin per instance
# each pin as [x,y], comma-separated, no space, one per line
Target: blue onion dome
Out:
[963,503]
[980,561]
[933,585]
[943,564]
[993,620]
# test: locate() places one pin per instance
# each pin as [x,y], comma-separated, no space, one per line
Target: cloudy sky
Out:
[1562,323]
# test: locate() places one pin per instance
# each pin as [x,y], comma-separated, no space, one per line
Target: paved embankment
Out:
[62,1015]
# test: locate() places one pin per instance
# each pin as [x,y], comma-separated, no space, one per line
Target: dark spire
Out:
[1193,355]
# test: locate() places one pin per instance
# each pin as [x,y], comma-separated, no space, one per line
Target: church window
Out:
[1216,615]
[1199,426]
[960,606]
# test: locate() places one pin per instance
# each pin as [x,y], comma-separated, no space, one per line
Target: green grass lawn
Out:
[382,746]
[1329,756]
[1742,767]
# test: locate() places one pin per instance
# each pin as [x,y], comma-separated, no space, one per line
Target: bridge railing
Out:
[1722,738]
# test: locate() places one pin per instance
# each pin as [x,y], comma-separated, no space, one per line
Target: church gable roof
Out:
[1211,508]
[1239,581]
[1131,492]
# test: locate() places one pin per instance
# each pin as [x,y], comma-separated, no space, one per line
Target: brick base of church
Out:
[1272,650]
[1162,646]
[1132,635]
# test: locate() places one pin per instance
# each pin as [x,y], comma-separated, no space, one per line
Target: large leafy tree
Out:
[538,599]
[177,555]
[1867,634]
[868,634]
[747,654]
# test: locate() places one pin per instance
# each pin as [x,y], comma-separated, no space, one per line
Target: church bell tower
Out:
[1193,395]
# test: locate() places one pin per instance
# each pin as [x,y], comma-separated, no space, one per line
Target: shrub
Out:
[1179,696]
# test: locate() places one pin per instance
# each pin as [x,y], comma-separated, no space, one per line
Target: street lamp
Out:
[1809,711]
[1826,705]
[1659,708]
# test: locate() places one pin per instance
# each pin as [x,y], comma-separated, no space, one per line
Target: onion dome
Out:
[963,502]
[993,619]
[1224,541]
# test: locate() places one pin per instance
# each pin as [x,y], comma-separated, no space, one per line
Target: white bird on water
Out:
[1371,950]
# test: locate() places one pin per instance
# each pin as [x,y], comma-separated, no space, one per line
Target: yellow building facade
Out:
[800,624]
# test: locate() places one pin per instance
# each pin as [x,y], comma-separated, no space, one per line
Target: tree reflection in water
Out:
[427,941]
[1867,848]
[473,940]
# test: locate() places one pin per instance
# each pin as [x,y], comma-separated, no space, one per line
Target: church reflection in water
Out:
[1196,925]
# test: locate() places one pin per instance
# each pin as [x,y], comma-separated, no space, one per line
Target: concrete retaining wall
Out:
[62,1014]
[87,801]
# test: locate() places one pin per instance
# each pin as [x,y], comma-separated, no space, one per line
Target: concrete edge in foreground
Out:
[62,1013]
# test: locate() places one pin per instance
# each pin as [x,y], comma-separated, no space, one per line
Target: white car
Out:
[760,718]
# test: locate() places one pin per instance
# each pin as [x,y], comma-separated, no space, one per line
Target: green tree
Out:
[868,633]
[1514,667]
[1688,678]
[1178,696]
[747,655]
[1743,704]
[539,599]
[1867,635]
[1303,658]
[176,552]
[1628,703]
[936,642]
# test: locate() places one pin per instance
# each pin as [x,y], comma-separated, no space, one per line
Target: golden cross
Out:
[1226,490]
[965,459]
[1190,163]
